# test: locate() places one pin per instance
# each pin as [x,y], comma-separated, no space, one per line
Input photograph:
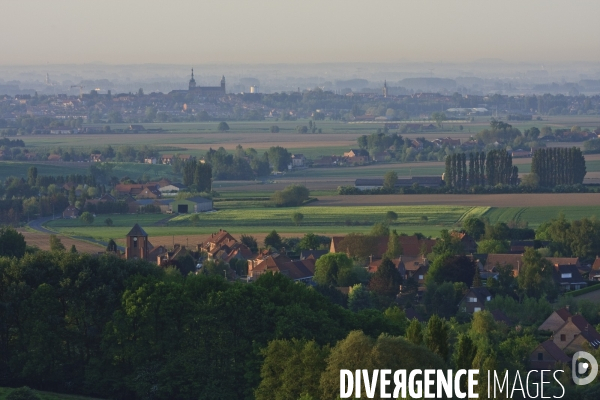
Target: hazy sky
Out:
[196,32]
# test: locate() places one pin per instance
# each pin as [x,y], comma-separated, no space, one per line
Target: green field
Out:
[331,220]
[120,170]
[535,216]
[256,220]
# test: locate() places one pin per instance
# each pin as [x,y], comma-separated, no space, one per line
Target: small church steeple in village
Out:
[223,83]
[385,88]
[192,81]
[137,245]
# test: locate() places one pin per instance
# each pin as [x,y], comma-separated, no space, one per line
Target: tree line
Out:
[558,166]
[483,169]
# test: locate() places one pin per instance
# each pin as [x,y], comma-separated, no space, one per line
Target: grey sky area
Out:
[286,45]
[296,31]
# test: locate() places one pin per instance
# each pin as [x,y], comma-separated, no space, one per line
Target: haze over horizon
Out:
[190,32]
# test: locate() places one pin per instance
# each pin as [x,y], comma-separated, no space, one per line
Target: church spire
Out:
[192,84]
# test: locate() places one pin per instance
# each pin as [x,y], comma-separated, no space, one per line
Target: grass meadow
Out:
[317,219]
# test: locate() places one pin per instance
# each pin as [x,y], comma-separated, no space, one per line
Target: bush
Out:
[23,393]
[291,196]
[223,126]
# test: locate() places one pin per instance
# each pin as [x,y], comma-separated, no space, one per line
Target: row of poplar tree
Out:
[556,166]
[483,169]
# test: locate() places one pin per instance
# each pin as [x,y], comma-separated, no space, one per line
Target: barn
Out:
[191,205]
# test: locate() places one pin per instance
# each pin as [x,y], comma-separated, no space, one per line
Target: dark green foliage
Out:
[558,166]
[493,169]
[389,180]
[414,332]
[386,280]
[310,241]
[293,195]
[250,242]
[291,368]
[279,158]
[12,243]
[223,126]
[56,244]
[436,337]
[23,393]
[273,240]
[579,238]
[474,227]
[450,268]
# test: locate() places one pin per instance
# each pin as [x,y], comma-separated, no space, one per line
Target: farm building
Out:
[71,212]
[191,205]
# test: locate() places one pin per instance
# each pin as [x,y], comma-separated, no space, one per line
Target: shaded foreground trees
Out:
[126,329]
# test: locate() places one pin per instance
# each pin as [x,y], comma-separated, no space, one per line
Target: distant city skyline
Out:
[194,33]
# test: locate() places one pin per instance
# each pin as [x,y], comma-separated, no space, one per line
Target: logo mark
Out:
[580,368]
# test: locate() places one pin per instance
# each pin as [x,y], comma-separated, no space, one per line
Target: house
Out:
[547,356]
[595,272]
[134,189]
[151,160]
[299,271]
[54,157]
[70,212]
[355,155]
[96,157]
[417,144]
[298,160]
[316,254]
[516,261]
[555,320]
[166,159]
[576,334]
[171,189]
[475,300]
[447,141]
[568,278]
[192,205]
[148,193]
[469,244]
[412,246]
[137,128]
[225,247]
[398,263]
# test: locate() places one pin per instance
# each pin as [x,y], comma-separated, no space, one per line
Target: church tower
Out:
[385,88]
[136,244]
[223,84]
[192,84]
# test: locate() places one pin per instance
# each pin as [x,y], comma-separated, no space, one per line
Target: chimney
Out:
[370,258]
